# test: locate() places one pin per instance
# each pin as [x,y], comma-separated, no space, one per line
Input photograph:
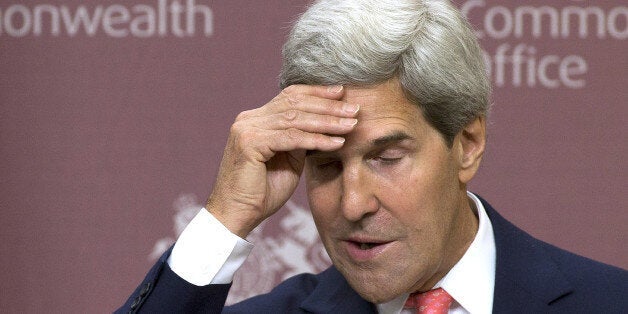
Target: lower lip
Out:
[360,255]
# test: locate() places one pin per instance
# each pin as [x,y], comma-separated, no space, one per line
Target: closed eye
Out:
[387,160]
[388,156]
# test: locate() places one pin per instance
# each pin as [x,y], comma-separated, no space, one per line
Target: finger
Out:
[317,105]
[305,121]
[275,141]
[295,139]
[322,91]
[314,99]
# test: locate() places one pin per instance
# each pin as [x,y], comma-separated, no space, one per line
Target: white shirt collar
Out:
[472,280]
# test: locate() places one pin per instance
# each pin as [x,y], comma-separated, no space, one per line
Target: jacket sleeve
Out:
[163,291]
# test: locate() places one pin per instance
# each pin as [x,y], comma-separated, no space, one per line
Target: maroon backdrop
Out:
[113,118]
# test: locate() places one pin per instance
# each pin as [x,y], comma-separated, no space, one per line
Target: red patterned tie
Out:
[435,301]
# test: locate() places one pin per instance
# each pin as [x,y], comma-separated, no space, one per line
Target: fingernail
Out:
[350,108]
[334,89]
[349,122]
[338,139]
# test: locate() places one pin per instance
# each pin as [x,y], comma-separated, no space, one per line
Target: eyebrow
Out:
[385,140]
[390,138]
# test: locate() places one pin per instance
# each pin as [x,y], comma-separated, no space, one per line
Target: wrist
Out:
[238,222]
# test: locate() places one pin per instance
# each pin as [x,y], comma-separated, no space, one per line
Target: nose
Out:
[358,198]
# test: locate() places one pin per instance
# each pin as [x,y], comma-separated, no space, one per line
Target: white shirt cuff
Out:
[207,252]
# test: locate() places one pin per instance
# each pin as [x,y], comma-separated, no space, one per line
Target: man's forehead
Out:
[392,88]
[384,101]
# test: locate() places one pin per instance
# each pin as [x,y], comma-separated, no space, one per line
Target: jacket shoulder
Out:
[597,279]
[541,277]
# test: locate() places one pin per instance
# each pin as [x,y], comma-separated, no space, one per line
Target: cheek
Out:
[322,199]
[406,188]
[418,196]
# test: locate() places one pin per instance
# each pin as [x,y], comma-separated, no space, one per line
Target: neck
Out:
[467,223]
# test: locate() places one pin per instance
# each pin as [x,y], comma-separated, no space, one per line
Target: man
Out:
[383,108]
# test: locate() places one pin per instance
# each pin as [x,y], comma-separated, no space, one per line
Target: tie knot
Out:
[435,301]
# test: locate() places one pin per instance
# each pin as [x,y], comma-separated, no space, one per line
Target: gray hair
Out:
[428,45]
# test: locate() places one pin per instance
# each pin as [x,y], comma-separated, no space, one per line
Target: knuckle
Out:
[243,115]
[332,106]
[245,137]
[236,127]
[321,139]
[293,134]
[290,90]
[292,95]
[239,130]
[332,121]
[291,115]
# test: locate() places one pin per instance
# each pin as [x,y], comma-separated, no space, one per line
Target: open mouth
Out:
[367,246]
[363,251]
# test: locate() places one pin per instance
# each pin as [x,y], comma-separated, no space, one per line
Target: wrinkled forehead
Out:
[380,101]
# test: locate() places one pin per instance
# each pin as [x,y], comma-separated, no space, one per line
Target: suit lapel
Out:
[526,278]
[334,295]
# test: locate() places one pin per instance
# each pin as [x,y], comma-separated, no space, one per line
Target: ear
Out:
[470,143]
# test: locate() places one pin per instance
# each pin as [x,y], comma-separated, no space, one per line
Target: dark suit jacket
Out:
[531,277]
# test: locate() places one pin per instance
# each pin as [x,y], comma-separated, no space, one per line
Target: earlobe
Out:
[471,141]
